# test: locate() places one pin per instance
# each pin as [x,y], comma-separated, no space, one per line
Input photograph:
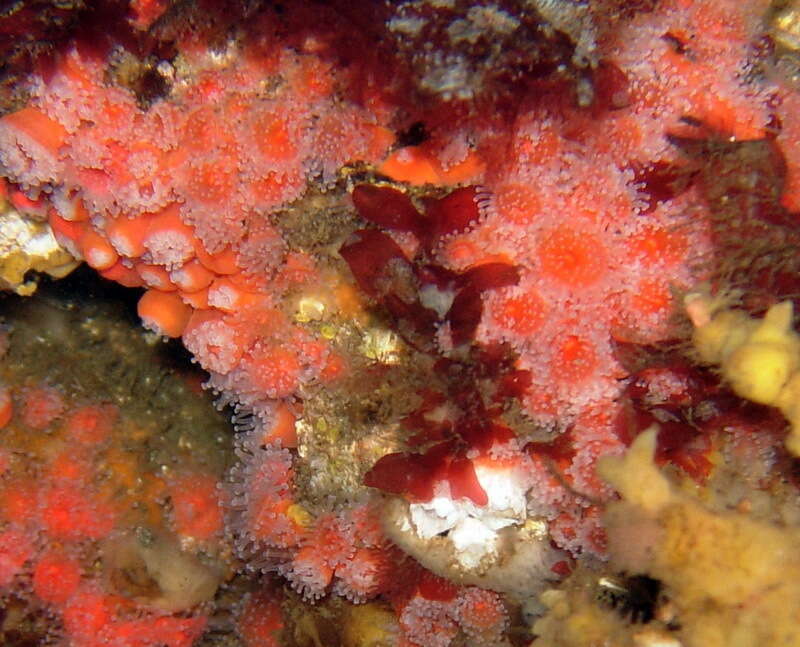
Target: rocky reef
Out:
[495,301]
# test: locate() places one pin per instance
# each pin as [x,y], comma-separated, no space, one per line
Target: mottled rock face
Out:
[462,51]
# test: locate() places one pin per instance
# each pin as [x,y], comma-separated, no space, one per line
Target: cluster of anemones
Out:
[68,489]
[588,220]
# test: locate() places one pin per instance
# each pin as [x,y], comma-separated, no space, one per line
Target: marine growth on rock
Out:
[436,261]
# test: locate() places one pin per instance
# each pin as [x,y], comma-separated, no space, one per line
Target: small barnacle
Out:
[309,308]
[381,345]
[634,597]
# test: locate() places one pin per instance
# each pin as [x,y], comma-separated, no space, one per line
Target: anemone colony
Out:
[499,296]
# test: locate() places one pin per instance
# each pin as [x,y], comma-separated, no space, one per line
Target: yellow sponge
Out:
[759,371]
[759,358]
